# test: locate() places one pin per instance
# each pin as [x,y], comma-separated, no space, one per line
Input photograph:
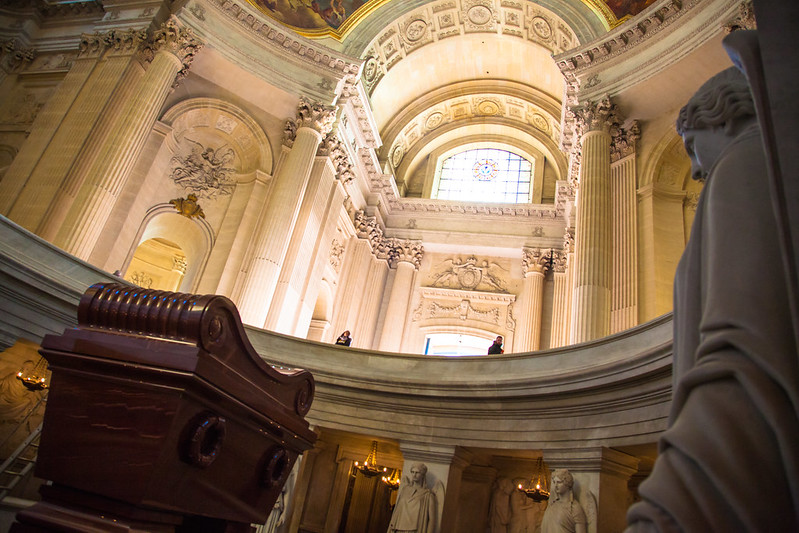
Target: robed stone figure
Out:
[415,510]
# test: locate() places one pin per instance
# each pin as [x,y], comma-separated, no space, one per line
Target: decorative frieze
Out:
[469,275]
[206,172]
[336,255]
[444,306]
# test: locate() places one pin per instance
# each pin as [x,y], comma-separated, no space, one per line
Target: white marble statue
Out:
[564,514]
[416,507]
[730,458]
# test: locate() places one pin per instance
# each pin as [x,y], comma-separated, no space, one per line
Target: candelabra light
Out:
[34,376]
[538,491]
[393,481]
[369,467]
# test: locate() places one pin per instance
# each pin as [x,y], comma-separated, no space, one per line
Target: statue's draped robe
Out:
[730,458]
[415,510]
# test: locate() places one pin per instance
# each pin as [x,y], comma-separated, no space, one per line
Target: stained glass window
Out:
[485,175]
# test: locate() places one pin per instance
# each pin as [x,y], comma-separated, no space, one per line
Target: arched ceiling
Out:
[457,66]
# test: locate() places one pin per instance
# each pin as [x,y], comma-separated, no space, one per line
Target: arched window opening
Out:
[485,175]
[157,264]
[456,344]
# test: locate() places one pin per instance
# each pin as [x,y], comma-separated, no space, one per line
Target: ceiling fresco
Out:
[336,17]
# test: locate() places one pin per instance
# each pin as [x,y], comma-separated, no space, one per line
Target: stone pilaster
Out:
[624,295]
[404,256]
[282,209]
[561,300]
[54,181]
[171,50]
[592,275]
[535,264]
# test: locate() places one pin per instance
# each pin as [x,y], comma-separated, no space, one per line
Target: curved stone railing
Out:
[611,392]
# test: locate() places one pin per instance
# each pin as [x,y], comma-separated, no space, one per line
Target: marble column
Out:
[309,247]
[282,209]
[593,253]
[171,50]
[109,56]
[601,483]
[405,257]
[624,296]
[535,263]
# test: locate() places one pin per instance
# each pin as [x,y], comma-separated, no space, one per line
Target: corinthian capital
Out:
[12,56]
[536,260]
[177,40]
[332,147]
[624,141]
[315,116]
[596,116]
[399,250]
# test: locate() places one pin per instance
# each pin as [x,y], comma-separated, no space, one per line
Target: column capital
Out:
[592,115]
[368,228]
[402,250]
[93,45]
[179,41]
[568,240]
[313,115]
[13,56]
[332,147]
[536,260]
[624,141]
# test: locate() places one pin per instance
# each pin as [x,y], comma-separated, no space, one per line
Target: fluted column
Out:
[308,249]
[48,193]
[172,50]
[561,298]
[282,209]
[592,275]
[535,263]
[624,299]
[404,256]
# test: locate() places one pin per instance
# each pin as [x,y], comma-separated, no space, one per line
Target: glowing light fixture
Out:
[538,491]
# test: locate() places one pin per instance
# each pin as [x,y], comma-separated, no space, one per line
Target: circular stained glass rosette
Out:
[485,169]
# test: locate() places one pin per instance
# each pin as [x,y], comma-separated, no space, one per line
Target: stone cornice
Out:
[263,44]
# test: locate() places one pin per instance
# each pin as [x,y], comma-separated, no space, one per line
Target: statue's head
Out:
[418,473]
[713,117]
[562,481]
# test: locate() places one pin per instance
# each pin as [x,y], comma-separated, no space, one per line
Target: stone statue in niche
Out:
[416,508]
[499,513]
[736,373]
[564,514]
[470,275]
[205,171]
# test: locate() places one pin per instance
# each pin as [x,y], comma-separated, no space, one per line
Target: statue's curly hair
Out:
[722,99]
